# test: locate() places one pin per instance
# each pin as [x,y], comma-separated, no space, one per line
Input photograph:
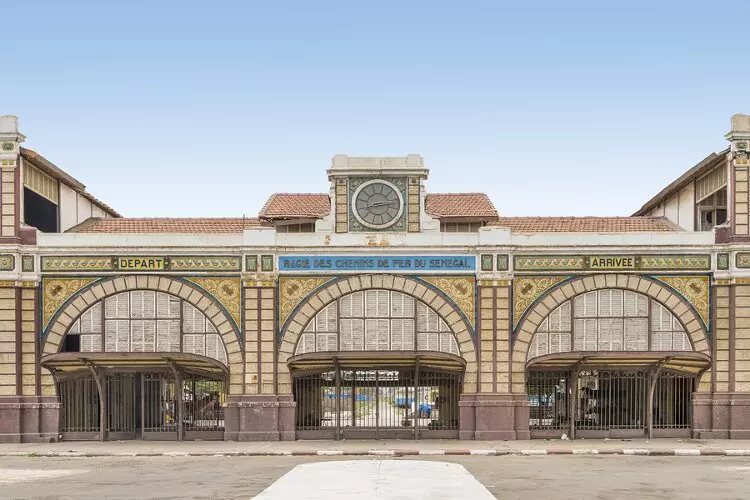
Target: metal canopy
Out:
[64,363]
[376,359]
[682,361]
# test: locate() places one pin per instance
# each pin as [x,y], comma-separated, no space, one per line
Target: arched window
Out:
[609,320]
[146,321]
[377,320]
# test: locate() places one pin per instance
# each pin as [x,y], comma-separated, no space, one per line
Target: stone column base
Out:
[722,415]
[494,416]
[29,419]
[259,418]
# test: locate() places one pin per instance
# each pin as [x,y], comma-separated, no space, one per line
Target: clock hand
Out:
[379,203]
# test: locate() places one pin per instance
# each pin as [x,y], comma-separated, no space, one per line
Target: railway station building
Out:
[377,309]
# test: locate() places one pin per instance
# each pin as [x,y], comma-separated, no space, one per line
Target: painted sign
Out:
[612,262]
[140,263]
[398,263]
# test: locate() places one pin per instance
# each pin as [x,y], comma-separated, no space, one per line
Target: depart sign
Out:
[399,263]
[141,263]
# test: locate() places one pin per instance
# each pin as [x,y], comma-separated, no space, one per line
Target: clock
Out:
[377,204]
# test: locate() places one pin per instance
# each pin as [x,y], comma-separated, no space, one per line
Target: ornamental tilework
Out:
[667,262]
[527,290]
[722,261]
[487,263]
[502,262]
[204,263]
[742,259]
[7,262]
[292,291]
[550,263]
[460,289]
[225,290]
[77,263]
[55,291]
[694,289]
[27,263]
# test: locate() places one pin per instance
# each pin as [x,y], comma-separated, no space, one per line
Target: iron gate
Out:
[380,404]
[142,405]
[609,403]
[79,408]
[203,413]
[121,396]
[158,406]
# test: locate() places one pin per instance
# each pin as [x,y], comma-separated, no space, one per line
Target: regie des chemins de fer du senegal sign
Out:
[377,263]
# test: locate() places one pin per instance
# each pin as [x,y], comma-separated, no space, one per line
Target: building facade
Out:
[375,310]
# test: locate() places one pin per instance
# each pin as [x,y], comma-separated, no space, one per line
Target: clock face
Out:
[377,204]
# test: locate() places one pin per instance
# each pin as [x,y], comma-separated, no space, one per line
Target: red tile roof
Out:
[318,205]
[166,225]
[460,205]
[296,206]
[585,224]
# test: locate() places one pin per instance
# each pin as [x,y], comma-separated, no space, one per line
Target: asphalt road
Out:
[538,477]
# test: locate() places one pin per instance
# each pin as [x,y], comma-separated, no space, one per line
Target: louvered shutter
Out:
[149,335]
[397,335]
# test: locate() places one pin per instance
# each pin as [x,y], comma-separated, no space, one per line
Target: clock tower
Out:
[378,194]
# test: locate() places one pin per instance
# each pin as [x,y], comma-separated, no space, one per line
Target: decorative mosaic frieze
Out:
[27,263]
[17,284]
[742,260]
[502,262]
[77,263]
[694,289]
[722,261]
[293,290]
[7,262]
[226,291]
[527,290]
[460,289]
[55,291]
[140,263]
[251,263]
[487,262]
[549,262]
[266,263]
[612,262]
[676,262]
[217,263]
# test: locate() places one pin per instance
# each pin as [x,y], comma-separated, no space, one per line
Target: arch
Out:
[332,290]
[566,290]
[99,290]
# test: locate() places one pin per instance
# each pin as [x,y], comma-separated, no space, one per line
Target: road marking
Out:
[10,476]
[581,451]
[737,453]
[330,452]
[533,452]
[482,452]
[387,453]
[381,479]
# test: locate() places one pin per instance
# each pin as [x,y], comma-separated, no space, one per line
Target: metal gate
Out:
[79,409]
[609,403]
[158,406]
[203,413]
[121,408]
[406,403]
[151,405]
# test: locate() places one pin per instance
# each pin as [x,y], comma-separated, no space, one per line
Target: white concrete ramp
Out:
[376,479]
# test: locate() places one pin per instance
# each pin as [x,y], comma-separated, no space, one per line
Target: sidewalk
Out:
[655,447]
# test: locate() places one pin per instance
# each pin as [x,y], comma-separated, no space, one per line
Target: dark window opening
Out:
[72,343]
[39,212]
[712,211]
[296,228]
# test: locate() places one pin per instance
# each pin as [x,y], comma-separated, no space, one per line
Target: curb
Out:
[677,452]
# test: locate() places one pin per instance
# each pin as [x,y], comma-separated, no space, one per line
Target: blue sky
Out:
[205,108]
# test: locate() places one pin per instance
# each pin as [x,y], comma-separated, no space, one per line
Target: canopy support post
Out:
[102,399]
[650,402]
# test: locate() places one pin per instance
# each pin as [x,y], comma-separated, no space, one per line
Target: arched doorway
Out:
[377,364]
[612,363]
[141,364]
